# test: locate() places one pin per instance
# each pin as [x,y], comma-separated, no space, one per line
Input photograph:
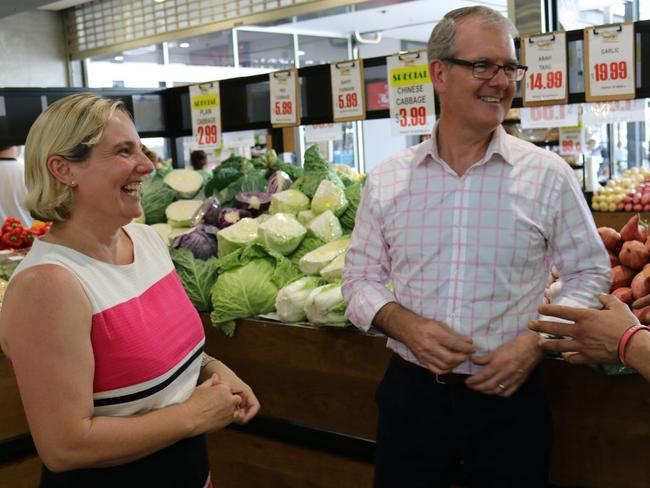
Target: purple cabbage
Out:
[229,216]
[208,213]
[253,201]
[279,181]
[202,241]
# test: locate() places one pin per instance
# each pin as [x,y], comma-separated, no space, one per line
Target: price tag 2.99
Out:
[412,108]
[206,115]
[609,52]
[348,101]
[546,79]
[283,88]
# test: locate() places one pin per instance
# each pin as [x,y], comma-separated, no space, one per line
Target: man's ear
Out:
[439,75]
[60,169]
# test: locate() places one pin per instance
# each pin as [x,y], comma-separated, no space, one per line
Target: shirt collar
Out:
[498,147]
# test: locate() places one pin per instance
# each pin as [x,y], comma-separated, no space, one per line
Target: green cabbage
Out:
[197,275]
[308,244]
[328,196]
[282,233]
[288,201]
[237,235]
[325,306]
[353,196]
[326,227]
[155,198]
[316,170]
[290,302]
[248,284]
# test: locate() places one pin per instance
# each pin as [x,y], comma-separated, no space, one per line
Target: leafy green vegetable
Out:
[156,196]
[248,284]
[308,244]
[221,178]
[253,181]
[316,170]
[325,306]
[353,195]
[292,170]
[198,277]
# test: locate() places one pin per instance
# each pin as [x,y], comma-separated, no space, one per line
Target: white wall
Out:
[32,50]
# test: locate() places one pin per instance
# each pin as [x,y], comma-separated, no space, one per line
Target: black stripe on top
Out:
[102,402]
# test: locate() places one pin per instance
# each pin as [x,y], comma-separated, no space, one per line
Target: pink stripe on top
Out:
[144,337]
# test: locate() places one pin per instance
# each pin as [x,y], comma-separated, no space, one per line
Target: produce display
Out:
[629,255]
[259,236]
[629,192]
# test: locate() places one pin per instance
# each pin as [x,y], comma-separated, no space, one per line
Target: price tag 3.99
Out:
[412,107]
[206,115]
[348,101]
[609,52]
[283,87]
[546,78]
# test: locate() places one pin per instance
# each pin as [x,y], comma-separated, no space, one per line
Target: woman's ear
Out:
[61,170]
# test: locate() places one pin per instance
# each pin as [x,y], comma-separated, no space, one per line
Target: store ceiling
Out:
[11,7]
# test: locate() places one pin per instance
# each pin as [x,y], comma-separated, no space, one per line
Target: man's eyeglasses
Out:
[484,70]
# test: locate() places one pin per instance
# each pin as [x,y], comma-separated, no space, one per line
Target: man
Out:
[466,225]
[12,186]
[611,335]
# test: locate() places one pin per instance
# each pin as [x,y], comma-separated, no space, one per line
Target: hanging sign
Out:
[614,112]
[609,58]
[348,95]
[285,110]
[206,115]
[572,141]
[549,116]
[323,132]
[410,92]
[546,79]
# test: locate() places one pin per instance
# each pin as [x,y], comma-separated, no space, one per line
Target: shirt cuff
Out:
[364,306]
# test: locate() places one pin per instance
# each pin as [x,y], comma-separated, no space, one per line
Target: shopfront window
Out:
[578,14]
[269,50]
[209,50]
[145,68]
[313,50]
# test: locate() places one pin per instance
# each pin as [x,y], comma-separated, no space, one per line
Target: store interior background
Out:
[34,53]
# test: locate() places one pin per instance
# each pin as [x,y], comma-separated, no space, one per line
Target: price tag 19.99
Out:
[283,88]
[348,100]
[546,79]
[609,57]
[412,107]
[206,115]
[549,116]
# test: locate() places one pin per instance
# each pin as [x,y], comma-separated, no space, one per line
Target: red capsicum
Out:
[11,223]
[13,238]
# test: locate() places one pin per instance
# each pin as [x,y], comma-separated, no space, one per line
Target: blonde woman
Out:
[106,347]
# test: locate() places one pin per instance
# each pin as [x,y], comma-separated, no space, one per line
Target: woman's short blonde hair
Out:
[69,128]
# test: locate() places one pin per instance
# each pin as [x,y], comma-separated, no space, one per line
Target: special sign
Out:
[410,92]
[206,115]
[546,78]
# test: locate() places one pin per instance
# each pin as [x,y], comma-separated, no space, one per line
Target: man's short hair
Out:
[441,42]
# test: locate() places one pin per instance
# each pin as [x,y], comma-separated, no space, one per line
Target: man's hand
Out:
[507,367]
[437,346]
[594,335]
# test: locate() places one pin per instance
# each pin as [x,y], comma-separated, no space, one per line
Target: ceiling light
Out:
[159,1]
[184,44]
[300,53]
[119,58]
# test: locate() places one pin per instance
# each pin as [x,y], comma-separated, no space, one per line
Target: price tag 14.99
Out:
[206,115]
[283,88]
[546,78]
[412,107]
[348,101]
[609,52]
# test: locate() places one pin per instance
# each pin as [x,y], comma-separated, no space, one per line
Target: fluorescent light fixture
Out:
[300,53]
[119,58]
[184,44]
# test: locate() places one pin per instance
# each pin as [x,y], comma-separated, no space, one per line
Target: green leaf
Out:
[198,277]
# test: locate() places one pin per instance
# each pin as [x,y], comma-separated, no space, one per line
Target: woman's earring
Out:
[73,184]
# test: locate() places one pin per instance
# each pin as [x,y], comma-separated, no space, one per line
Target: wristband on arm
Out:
[625,338]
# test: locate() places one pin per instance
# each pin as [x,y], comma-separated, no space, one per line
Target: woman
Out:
[105,345]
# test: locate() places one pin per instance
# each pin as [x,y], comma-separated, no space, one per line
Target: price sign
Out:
[614,112]
[206,115]
[410,92]
[323,132]
[285,110]
[572,142]
[549,116]
[609,57]
[348,97]
[546,78]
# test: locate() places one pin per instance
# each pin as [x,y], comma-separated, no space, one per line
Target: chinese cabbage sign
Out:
[412,107]
[206,115]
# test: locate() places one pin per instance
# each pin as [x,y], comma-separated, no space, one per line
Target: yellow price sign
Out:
[410,75]
[211,100]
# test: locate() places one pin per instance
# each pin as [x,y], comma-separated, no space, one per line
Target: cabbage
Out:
[279,181]
[237,235]
[155,197]
[281,233]
[198,277]
[326,227]
[253,201]
[186,182]
[288,201]
[163,231]
[181,212]
[328,196]
[228,216]
[325,306]
[353,195]
[248,284]
[251,181]
[308,244]
[334,271]
[202,242]
[221,178]
[312,262]
[290,302]
[343,170]
[316,170]
[177,231]
[305,216]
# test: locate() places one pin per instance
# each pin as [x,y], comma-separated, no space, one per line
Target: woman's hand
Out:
[250,405]
[212,405]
